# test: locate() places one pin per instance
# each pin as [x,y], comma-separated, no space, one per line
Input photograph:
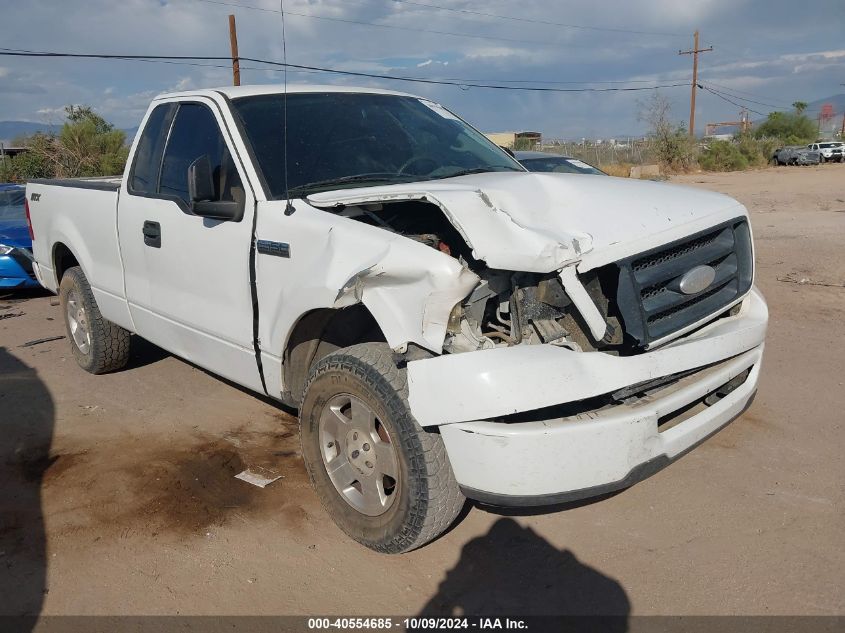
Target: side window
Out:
[195,133]
[144,177]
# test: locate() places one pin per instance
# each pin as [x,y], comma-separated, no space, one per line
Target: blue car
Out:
[15,242]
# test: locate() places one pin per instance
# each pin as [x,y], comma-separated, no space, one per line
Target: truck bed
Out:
[102,183]
[79,216]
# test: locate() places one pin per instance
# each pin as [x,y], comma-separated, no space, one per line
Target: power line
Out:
[534,21]
[385,26]
[721,96]
[302,67]
[729,92]
[469,85]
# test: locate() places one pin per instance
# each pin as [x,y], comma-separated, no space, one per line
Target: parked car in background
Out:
[796,155]
[554,163]
[15,240]
[831,151]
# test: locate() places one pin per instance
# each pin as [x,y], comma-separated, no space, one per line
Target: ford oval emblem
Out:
[697,280]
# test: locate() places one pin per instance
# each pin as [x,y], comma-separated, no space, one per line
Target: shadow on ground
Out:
[512,570]
[20,296]
[26,433]
[143,353]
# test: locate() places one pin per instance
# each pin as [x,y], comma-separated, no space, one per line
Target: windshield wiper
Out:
[476,170]
[386,177]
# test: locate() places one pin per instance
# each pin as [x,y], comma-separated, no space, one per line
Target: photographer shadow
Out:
[513,571]
[27,416]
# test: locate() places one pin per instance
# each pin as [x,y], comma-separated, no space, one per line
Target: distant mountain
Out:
[837,101]
[10,130]
[13,129]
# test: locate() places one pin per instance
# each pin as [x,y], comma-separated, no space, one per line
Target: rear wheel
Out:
[98,345]
[384,480]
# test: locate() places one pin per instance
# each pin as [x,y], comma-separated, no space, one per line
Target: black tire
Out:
[107,347]
[427,497]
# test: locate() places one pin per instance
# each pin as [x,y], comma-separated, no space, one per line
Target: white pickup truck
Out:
[448,324]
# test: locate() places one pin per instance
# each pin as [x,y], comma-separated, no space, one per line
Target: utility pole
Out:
[236,62]
[694,52]
[842,131]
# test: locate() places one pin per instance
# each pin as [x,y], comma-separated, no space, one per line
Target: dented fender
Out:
[335,262]
[410,301]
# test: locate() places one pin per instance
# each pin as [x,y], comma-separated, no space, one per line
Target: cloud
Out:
[51,112]
[763,47]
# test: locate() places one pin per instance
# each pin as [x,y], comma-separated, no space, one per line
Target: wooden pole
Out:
[236,63]
[694,52]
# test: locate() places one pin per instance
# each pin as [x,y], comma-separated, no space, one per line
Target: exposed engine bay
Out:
[506,308]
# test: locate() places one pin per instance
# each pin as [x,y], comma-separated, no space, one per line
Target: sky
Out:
[772,52]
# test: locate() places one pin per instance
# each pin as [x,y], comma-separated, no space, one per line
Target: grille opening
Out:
[649,301]
[678,416]
[676,252]
[686,306]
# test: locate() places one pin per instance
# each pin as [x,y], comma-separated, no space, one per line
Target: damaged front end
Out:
[593,364]
[517,298]
[511,308]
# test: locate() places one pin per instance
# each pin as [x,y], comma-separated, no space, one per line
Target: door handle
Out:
[152,234]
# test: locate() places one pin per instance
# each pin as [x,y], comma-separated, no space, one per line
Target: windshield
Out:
[560,165]
[344,139]
[12,204]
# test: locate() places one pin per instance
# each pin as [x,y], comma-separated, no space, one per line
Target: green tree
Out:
[87,145]
[789,128]
[799,106]
[30,164]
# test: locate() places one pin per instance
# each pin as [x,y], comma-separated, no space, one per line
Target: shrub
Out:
[723,156]
[757,151]
[674,149]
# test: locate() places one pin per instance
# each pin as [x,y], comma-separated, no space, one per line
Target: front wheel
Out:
[98,345]
[383,479]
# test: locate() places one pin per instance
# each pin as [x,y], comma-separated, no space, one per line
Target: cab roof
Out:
[234,92]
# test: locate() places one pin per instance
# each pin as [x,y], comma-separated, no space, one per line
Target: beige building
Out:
[518,140]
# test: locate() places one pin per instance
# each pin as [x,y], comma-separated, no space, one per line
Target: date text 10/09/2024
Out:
[416,624]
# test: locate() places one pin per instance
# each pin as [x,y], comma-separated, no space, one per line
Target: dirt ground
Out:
[118,494]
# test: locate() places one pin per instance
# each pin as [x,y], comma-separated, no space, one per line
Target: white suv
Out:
[830,150]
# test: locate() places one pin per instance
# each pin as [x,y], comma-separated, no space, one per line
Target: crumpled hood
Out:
[538,222]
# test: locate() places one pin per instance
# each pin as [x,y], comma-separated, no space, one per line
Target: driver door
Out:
[187,277]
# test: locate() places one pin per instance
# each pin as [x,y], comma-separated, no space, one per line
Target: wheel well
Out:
[319,333]
[63,259]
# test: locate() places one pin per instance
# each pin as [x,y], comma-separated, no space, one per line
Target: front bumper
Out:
[593,452]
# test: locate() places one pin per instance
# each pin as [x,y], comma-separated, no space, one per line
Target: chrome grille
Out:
[649,298]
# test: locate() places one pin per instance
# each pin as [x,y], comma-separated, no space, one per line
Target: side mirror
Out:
[201,192]
[200,182]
